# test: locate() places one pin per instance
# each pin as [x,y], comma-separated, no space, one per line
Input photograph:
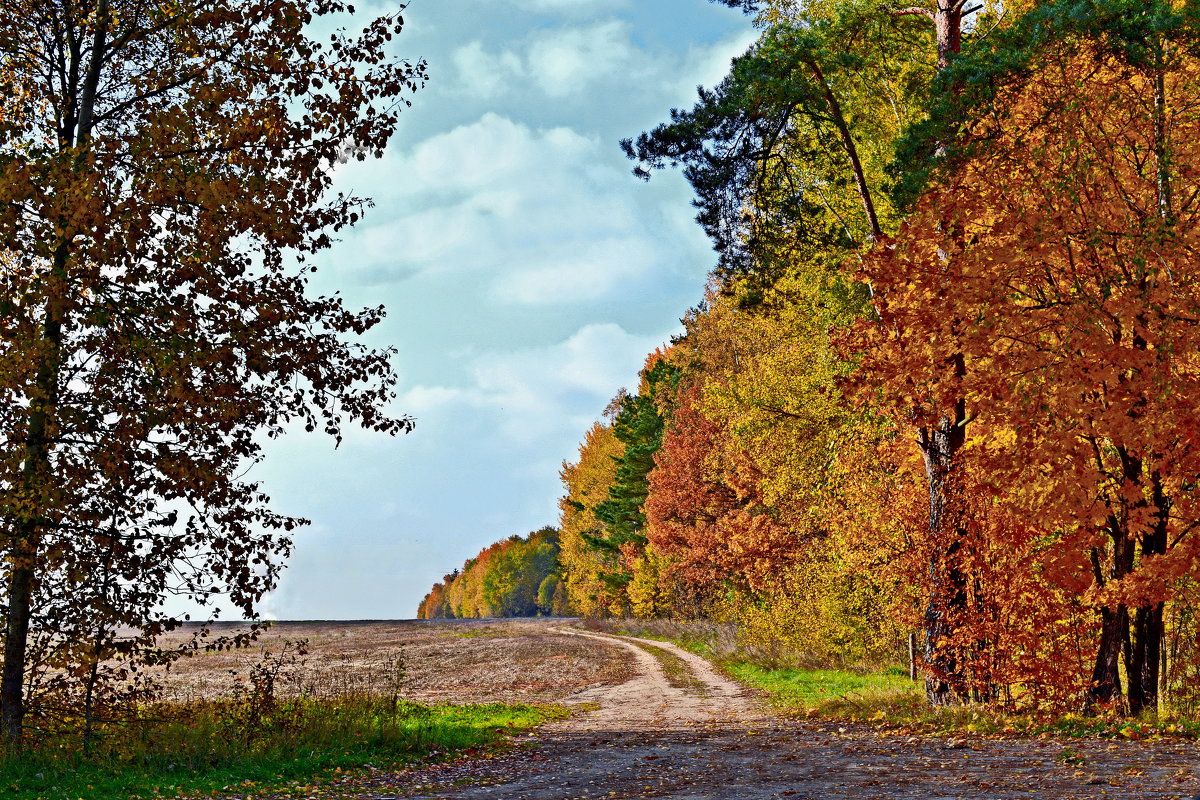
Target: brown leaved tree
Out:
[165,170]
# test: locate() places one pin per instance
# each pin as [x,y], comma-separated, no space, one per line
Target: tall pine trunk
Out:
[940,444]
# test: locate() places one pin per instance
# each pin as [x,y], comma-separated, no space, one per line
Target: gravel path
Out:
[652,737]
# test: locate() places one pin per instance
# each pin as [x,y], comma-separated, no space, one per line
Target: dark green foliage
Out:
[639,426]
[769,134]
[749,6]
[727,145]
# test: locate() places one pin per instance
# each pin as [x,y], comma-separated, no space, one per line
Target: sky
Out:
[526,275]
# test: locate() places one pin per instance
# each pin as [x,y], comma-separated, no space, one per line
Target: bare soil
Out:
[460,661]
[640,734]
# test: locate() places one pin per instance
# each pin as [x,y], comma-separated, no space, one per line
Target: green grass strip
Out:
[217,747]
[822,689]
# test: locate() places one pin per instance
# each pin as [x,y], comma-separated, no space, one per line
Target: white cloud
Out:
[562,62]
[565,62]
[539,217]
[482,74]
[594,270]
[705,66]
[526,275]
[539,394]
[567,5]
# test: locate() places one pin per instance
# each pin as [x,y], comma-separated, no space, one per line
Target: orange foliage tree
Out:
[1054,263]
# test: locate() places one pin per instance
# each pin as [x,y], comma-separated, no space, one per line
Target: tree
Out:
[784,135]
[158,164]
[787,153]
[638,425]
[515,577]
[1060,253]
[772,486]
[586,484]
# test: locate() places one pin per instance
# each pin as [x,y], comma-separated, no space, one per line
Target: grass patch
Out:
[886,697]
[475,633]
[826,691]
[891,700]
[676,670]
[204,748]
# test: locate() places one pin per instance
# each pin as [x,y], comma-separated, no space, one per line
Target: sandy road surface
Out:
[647,738]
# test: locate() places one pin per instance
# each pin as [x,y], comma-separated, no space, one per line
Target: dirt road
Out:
[677,729]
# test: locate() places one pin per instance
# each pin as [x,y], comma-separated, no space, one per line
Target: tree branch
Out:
[912,11]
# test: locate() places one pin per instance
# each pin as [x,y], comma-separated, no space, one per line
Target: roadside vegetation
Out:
[930,402]
[516,577]
[880,693]
[315,703]
[205,748]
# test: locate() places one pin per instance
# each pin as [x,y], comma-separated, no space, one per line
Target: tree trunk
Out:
[27,528]
[940,445]
[1147,655]
[1106,674]
[848,144]
[947,21]
[37,476]
[16,638]
[1114,621]
[1144,668]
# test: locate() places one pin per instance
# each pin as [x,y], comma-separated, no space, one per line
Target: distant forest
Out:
[516,577]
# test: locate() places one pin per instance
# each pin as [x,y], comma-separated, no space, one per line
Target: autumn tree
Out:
[779,490]
[804,123]
[165,172]
[787,154]
[1058,245]
[585,484]
[638,424]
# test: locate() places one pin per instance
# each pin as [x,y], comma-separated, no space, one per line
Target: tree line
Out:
[516,577]
[944,378]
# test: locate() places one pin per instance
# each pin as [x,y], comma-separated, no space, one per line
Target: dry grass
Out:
[460,661]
